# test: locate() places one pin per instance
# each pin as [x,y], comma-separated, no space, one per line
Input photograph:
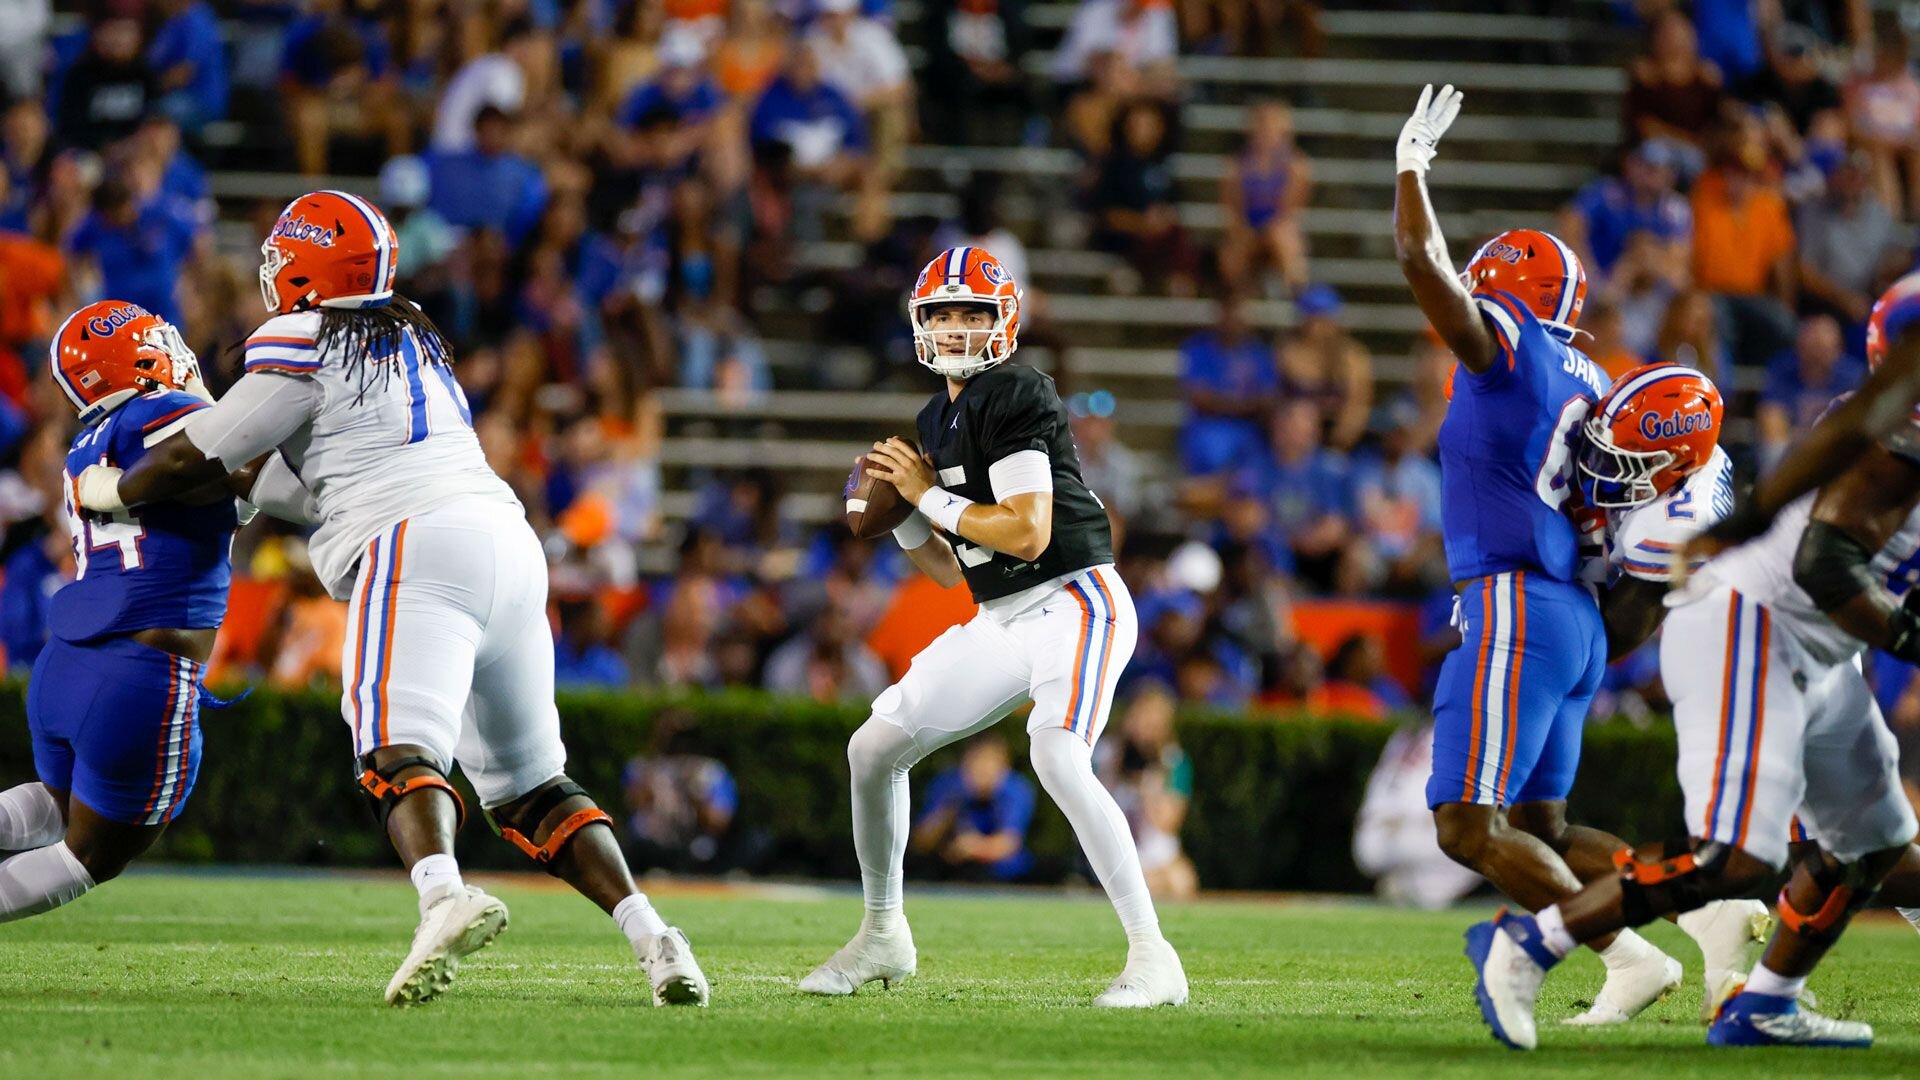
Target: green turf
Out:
[218,976]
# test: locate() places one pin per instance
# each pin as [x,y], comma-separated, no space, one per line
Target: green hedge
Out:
[1273,806]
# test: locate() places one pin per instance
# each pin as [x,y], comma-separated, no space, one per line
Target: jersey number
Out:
[1554,482]
[91,533]
[434,399]
[1681,508]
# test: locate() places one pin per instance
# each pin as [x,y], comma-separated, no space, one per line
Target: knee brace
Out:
[527,822]
[380,787]
[1845,891]
[1677,882]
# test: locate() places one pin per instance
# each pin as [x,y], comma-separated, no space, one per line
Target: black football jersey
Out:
[1000,412]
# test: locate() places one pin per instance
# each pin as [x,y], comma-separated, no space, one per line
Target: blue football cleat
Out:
[1511,962]
[1750,1019]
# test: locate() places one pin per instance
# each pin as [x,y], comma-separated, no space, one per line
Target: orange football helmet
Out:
[110,352]
[1658,425]
[328,249]
[1537,269]
[965,275]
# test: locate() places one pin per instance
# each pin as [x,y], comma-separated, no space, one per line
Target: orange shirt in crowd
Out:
[1735,245]
[919,612]
[1616,363]
[744,68]
[30,275]
[310,649]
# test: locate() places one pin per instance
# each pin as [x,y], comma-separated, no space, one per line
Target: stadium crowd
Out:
[599,201]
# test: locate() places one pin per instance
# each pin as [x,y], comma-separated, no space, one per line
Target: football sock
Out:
[1554,935]
[433,874]
[1065,765]
[637,919]
[1764,981]
[29,818]
[41,880]
[880,755]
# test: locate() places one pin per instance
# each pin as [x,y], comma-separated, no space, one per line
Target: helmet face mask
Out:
[110,352]
[1612,477]
[1657,426]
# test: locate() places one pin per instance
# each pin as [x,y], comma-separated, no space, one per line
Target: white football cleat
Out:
[1730,934]
[675,974]
[1153,976]
[1911,914]
[459,922]
[884,958]
[1509,962]
[1630,989]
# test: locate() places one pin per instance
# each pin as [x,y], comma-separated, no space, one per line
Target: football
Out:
[874,507]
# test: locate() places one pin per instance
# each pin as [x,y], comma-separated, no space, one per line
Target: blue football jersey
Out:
[1506,450]
[167,564]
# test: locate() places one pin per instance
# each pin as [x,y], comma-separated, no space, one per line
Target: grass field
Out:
[214,976]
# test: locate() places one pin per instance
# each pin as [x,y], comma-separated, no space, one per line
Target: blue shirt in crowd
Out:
[140,263]
[797,117]
[1212,444]
[1009,809]
[1613,215]
[1788,388]
[496,191]
[700,101]
[1303,492]
[193,37]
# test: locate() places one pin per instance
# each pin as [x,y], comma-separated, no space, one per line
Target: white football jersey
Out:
[1641,542]
[376,447]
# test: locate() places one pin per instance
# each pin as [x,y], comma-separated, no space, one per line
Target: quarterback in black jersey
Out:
[1002,506]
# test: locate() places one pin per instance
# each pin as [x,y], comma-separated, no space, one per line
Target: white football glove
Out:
[98,488]
[1421,136]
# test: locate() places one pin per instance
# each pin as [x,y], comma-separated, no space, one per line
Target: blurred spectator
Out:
[1883,107]
[1850,246]
[1305,486]
[40,564]
[1357,684]
[304,640]
[827,662]
[822,134]
[32,275]
[1743,245]
[507,78]
[1152,780]
[1323,363]
[1689,335]
[490,185]
[1802,382]
[108,89]
[1643,285]
[749,54]
[861,58]
[1672,93]
[337,76]
[189,56]
[680,803]
[976,814]
[1394,840]
[582,656]
[1091,112]
[1607,346]
[26,156]
[1263,192]
[181,180]
[1251,27]
[1609,211]
[975,90]
[1112,472]
[1142,32]
[406,190]
[1133,202]
[682,91]
[1794,81]
[1427,391]
[1230,382]
[1396,504]
[137,249]
[23,43]
[1729,34]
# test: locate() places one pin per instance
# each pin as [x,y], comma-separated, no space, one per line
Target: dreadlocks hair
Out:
[371,339]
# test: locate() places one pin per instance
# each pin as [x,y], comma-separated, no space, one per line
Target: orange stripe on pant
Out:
[1759,703]
[386,648]
[1476,741]
[166,730]
[1726,699]
[1079,656]
[360,634]
[1513,679]
[1106,654]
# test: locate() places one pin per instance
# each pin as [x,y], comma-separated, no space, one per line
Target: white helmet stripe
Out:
[1623,394]
[383,252]
[53,365]
[1569,288]
[957,264]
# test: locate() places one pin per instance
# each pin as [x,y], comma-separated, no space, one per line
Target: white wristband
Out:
[944,508]
[913,532]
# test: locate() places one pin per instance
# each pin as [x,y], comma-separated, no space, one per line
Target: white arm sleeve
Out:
[279,492]
[1021,473]
[259,413]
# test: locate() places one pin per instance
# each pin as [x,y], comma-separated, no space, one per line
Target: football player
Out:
[113,704]
[1774,716]
[1002,507]
[450,657]
[1511,703]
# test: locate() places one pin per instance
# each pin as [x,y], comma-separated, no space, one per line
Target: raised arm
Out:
[1417,241]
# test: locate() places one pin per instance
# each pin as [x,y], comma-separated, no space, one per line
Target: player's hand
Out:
[1421,136]
[98,489]
[898,464]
